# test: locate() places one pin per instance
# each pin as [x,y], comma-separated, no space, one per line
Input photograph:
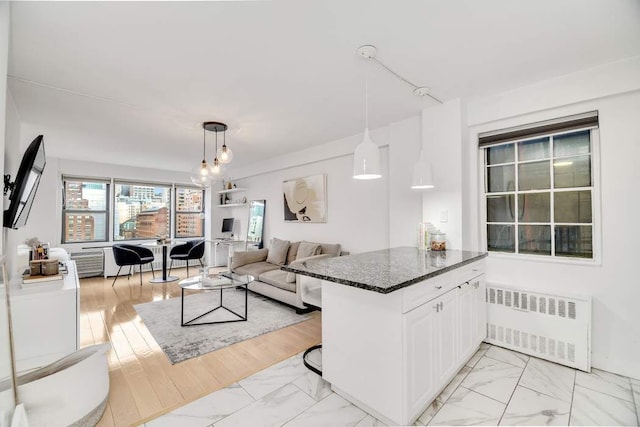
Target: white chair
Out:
[311,295]
[72,391]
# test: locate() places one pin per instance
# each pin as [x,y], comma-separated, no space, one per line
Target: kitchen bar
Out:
[398,324]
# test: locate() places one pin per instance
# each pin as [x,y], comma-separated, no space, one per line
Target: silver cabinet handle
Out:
[438,287]
[436,307]
[441,306]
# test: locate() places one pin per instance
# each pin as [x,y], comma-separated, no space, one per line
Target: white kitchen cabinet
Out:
[420,326]
[391,354]
[46,320]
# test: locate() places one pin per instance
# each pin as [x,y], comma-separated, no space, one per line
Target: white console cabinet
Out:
[391,354]
[46,320]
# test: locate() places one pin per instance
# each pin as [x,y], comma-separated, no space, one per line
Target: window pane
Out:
[572,144]
[534,149]
[534,176]
[500,208]
[572,206]
[86,195]
[501,238]
[534,239]
[82,227]
[500,154]
[534,207]
[141,211]
[189,200]
[572,172]
[574,241]
[189,225]
[501,178]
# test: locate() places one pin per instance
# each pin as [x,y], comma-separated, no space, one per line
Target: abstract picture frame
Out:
[305,199]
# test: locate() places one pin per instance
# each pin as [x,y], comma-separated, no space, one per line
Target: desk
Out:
[164,278]
[222,250]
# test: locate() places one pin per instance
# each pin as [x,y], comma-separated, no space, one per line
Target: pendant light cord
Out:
[204,144]
[366,94]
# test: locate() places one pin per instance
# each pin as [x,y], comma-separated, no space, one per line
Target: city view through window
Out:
[141,211]
[85,211]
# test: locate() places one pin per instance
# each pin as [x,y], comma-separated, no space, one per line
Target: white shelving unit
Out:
[230,191]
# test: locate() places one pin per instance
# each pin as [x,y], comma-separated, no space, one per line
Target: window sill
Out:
[595,262]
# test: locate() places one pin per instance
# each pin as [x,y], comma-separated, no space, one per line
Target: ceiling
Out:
[131,82]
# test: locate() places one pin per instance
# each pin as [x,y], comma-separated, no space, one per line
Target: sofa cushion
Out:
[278,251]
[277,278]
[293,252]
[256,269]
[330,249]
[307,249]
[241,258]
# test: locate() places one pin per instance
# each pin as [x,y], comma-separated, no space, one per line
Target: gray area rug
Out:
[162,318]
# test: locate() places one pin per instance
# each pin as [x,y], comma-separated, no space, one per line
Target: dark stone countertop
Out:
[386,270]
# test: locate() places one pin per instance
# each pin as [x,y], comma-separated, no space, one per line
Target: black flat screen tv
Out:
[227,225]
[25,185]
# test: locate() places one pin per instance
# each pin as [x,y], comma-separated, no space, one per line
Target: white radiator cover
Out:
[552,327]
[111,268]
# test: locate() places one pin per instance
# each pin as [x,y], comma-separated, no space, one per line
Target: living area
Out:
[126,105]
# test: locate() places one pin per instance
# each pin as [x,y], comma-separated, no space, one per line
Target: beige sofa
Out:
[271,281]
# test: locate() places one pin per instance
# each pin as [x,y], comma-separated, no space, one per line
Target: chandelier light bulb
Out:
[225,155]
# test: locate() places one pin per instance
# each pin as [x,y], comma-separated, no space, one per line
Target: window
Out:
[189,210]
[141,210]
[539,190]
[84,210]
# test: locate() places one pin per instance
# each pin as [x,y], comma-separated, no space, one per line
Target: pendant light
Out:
[202,175]
[366,158]
[224,154]
[422,174]
[217,167]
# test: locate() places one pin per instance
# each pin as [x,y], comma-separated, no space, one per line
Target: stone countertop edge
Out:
[391,288]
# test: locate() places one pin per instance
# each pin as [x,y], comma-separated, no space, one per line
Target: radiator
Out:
[111,268]
[552,327]
[88,263]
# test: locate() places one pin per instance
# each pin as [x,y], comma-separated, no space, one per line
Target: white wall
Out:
[405,204]
[442,136]
[363,215]
[613,90]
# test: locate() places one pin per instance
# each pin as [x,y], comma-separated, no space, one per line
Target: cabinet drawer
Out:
[415,295]
[468,272]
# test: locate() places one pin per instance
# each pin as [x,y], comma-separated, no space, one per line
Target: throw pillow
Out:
[307,249]
[278,251]
[293,252]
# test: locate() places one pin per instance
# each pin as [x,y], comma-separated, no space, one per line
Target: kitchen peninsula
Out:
[398,324]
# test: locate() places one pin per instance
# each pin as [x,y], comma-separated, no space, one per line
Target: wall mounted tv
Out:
[23,189]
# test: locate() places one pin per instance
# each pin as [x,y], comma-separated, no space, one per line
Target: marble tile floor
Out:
[496,387]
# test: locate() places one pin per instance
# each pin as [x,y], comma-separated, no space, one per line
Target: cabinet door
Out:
[447,336]
[468,327]
[479,286]
[421,355]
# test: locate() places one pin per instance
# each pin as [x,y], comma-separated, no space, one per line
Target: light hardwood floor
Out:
[144,384]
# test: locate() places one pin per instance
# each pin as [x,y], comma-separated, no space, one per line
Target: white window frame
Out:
[106,211]
[169,186]
[596,243]
[177,187]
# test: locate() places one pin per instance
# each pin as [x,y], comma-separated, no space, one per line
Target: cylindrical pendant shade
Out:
[366,159]
[422,175]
